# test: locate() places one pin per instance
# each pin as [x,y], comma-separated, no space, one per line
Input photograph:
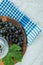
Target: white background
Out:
[34,10]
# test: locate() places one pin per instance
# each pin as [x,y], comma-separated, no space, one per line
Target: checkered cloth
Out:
[7,8]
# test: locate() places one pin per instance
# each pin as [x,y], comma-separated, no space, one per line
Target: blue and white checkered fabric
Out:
[7,8]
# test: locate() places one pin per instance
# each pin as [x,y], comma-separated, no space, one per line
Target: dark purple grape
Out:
[18,32]
[7,38]
[6,24]
[10,36]
[2,31]
[10,30]
[16,35]
[20,43]
[17,28]
[16,41]
[13,40]
[7,28]
[22,37]
[20,40]
[1,25]
[13,28]
[0,20]
[10,24]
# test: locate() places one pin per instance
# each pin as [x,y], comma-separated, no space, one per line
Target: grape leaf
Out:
[14,52]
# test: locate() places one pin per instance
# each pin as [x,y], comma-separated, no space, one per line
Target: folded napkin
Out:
[8,8]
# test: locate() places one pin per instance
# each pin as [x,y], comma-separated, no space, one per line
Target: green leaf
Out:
[15,47]
[14,51]
[8,60]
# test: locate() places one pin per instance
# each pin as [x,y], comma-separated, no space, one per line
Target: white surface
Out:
[34,10]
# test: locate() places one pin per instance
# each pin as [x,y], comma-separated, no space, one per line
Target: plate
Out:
[8,28]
